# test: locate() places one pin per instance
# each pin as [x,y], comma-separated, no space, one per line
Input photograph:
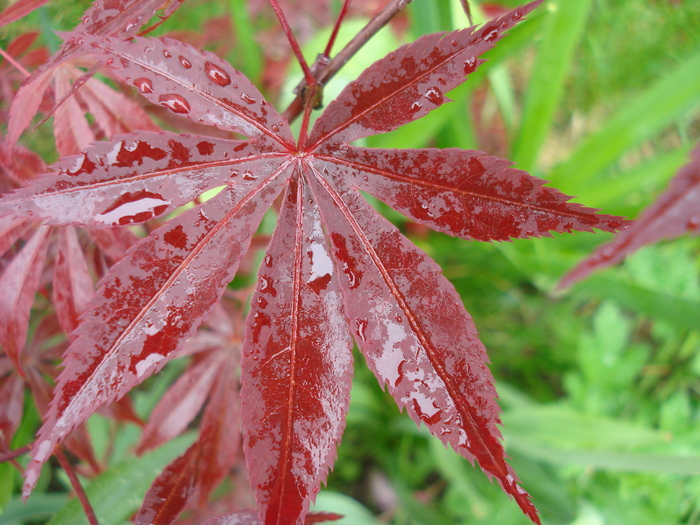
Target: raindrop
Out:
[693,222]
[469,65]
[185,63]
[353,281]
[81,41]
[247,98]
[216,74]
[248,175]
[492,35]
[361,325]
[365,178]
[569,226]
[86,20]
[110,61]
[268,261]
[416,106]
[234,173]
[175,103]
[399,319]
[262,302]
[434,96]
[275,128]
[129,27]
[264,284]
[166,53]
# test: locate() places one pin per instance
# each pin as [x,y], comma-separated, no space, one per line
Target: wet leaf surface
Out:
[334,270]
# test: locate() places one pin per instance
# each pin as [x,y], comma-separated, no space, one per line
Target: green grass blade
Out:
[562,32]
[670,98]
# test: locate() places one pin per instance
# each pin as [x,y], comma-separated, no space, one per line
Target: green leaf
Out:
[671,97]
[562,31]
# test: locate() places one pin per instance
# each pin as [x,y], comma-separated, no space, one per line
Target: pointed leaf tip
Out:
[674,213]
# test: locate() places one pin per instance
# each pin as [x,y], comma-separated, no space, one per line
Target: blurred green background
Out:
[600,385]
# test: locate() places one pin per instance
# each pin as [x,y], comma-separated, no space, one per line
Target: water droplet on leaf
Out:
[247,98]
[185,63]
[175,103]
[469,65]
[361,325]
[216,74]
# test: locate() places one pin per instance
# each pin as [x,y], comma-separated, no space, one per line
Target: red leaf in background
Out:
[170,491]
[11,408]
[113,112]
[180,404]
[72,282]
[104,17]
[19,10]
[19,283]
[674,213]
[331,261]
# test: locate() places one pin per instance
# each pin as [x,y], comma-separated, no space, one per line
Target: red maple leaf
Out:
[335,270]
[674,213]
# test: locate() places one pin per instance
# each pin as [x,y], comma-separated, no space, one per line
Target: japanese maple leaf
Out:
[119,18]
[335,270]
[674,213]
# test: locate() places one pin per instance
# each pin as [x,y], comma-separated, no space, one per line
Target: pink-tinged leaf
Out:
[220,428]
[410,82]
[72,282]
[180,404]
[169,493]
[122,17]
[246,517]
[114,242]
[71,129]
[11,408]
[18,10]
[19,284]
[114,113]
[464,193]
[193,84]
[137,177]
[21,164]
[11,229]
[675,213]
[150,302]
[296,367]
[410,325]
[26,103]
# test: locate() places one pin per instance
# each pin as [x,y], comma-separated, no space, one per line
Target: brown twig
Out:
[77,487]
[338,61]
[11,456]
